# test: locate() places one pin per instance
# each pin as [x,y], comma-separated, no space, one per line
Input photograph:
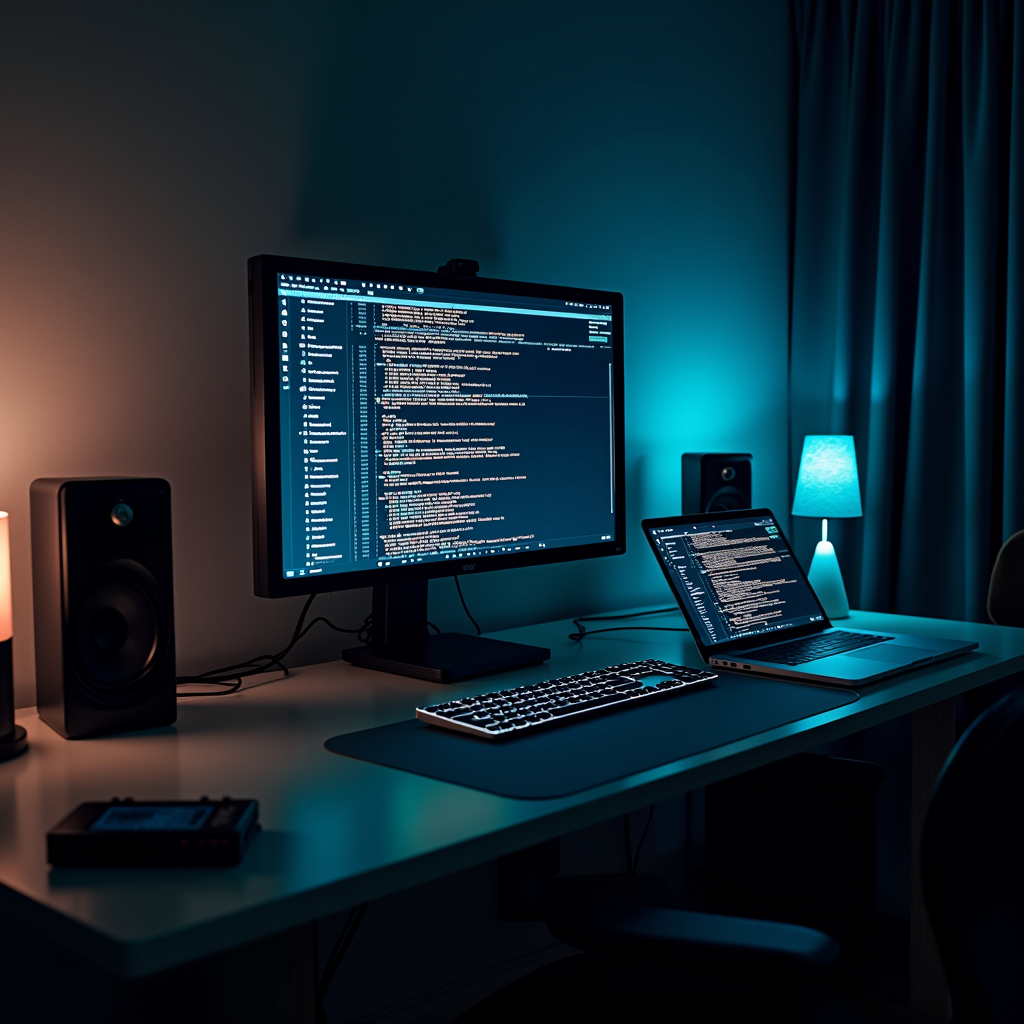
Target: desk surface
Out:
[339,831]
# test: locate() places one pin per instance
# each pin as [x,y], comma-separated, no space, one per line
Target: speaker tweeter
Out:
[716,481]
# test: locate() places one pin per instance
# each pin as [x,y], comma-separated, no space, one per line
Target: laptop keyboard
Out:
[813,648]
[526,709]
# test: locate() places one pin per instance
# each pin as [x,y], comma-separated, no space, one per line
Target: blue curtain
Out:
[907,302]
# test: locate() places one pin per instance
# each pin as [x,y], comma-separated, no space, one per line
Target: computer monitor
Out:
[410,425]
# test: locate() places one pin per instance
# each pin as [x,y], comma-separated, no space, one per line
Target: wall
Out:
[149,149]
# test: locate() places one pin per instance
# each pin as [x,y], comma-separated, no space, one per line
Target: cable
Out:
[344,940]
[688,848]
[231,676]
[633,856]
[229,686]
[582,630]
[640,845]
[619,629]
[464,606]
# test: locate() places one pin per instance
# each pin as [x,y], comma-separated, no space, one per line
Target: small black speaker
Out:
[715,482]
[104,604]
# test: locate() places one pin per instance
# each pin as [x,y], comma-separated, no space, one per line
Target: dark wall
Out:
[149,149]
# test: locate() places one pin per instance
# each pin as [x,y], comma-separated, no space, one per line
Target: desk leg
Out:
[933,736]
[272,979]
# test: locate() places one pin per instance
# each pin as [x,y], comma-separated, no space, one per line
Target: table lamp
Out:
[828,486]
[12,737]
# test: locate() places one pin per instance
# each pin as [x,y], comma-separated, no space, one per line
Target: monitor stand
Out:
[402,643]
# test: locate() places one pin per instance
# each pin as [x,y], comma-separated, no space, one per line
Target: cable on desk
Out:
[582,630]
[465,608]
[344,940]
[231,676]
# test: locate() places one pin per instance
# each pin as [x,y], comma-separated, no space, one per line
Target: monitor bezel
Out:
[268,566]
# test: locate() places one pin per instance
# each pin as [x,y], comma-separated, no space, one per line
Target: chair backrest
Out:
[972,866]
[1006,585]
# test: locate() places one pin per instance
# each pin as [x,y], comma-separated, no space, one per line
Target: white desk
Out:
[339,832]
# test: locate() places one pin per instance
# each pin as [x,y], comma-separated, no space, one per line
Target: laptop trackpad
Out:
[891,653]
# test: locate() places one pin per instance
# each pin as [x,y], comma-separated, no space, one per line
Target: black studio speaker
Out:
[716,482]
[104,604]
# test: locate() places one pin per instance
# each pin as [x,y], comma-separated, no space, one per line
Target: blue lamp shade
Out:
[827,486]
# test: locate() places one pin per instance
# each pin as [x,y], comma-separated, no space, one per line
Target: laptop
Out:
[750,608]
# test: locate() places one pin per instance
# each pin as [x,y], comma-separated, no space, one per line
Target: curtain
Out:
[907,285]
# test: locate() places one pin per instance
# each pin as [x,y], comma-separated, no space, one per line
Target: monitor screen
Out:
[413,424]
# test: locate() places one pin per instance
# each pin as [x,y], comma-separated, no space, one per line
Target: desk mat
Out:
[571,758]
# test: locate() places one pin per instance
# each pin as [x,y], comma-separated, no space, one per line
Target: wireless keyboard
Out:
[524,710]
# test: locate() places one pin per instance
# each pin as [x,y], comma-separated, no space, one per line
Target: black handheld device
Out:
[154,833]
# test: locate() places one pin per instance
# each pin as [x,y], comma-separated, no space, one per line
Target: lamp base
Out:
[15,744]
[827,580]
[12,737]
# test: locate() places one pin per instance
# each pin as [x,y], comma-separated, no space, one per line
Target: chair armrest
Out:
[608,926]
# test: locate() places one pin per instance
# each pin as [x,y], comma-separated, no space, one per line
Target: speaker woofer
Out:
[727,499]
[119,628]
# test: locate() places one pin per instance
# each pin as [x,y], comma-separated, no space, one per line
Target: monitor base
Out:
[447,657]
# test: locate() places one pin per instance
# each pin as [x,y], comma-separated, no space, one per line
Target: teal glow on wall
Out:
[638,149]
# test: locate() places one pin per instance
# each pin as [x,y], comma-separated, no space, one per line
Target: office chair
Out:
[1005,608]
[972,849]
[645,961]
[1006,585]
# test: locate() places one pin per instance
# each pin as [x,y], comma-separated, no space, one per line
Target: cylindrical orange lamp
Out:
[12,737]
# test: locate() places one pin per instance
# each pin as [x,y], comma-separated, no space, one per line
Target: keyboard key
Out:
[524,709]
[814,648]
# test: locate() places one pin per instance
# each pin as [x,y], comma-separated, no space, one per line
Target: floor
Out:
[881,993]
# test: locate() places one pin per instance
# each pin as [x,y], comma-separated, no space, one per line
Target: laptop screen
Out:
[737,577]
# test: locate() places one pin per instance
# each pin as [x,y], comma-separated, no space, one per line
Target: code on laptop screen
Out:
[737,577]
